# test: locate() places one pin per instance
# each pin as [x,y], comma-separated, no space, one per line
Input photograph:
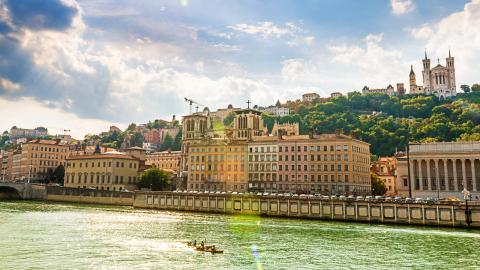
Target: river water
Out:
[40,235]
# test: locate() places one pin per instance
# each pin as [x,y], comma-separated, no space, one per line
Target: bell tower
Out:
[451,73]
[426,73]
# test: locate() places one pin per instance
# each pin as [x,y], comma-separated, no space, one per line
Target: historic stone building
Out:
[169,161]
[389,90]
[438,81]
[113,170]
[386,169]
[285,129]
[440,169]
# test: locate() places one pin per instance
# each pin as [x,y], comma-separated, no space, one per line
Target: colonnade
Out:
[445,174]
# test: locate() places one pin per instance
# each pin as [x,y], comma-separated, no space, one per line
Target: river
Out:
[41,235]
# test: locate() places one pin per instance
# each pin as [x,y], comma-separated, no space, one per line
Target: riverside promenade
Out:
[310,207]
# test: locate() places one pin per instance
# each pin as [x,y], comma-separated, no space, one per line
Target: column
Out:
[455,180]
[464,174]
[445,171]
[420,179]
[437,175]
[429,178]
[412,175]
[474,177]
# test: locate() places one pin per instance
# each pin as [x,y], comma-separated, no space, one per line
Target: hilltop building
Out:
[309,97]
[389,90]
[277,110]
[287,129]
[438,81]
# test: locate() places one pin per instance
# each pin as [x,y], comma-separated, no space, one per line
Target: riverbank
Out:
[439,214]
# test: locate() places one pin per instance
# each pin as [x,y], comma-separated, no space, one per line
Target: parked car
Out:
[388,199]
[419,200]
[398,199]
[351,198]
[409,200]
[325,197]
[379,198]
[360,198]
[369,198]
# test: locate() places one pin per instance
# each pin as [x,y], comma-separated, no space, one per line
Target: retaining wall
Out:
[441,214]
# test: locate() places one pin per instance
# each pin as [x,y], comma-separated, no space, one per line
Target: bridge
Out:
[10,190]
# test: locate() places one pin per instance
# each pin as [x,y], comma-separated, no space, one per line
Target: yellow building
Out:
[217,166]
[35,158]
[113,170]
[167,160]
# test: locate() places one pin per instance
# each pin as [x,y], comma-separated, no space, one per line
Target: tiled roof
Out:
[101,156]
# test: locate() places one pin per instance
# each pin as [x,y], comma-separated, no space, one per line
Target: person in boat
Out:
[202,245]
[195,243]
[213,248]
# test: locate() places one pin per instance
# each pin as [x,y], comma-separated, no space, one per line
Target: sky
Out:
[85,65]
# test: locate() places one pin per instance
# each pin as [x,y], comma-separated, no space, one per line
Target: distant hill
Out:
[388,123]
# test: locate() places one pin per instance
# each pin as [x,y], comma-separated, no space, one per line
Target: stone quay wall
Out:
[440,214]
[64,194]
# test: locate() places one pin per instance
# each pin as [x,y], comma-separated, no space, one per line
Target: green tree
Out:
[58,174]
[155,179]
[476,87]
[229,119]
[131,127]
[136,139]
[167,143]
[465,88]
[49,176]
[177,143]
[378,186]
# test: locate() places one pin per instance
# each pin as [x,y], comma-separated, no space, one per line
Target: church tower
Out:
[247,123]
[413,80]
[451,73]
[426,74]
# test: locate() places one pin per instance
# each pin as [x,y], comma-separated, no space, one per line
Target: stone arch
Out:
[9,193]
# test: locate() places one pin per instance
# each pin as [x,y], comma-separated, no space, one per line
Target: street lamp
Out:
[468,212]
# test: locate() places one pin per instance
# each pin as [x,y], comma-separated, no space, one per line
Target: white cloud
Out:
[292,68]
[461,33]
[55,119]
[400,7]
[267,29]
[425,31]
[9,85]
[370,64]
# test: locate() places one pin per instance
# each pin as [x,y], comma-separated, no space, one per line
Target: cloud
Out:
[53,118]
[292,68]
[267,29]
[370,63]
[425,31]
[9,85]
[459,31]
[400,7]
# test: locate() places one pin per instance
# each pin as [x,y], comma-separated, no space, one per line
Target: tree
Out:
[155,179]
[229,119]
[136,139]
[49,177]
[58,174]
[177,143]
[378,186]
[476,87]
[167,143]
[465,88]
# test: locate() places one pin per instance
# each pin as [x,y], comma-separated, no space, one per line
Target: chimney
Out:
[311,133]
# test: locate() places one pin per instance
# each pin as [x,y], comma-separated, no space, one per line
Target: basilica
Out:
[438,81]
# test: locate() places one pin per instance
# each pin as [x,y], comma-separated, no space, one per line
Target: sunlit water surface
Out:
[40,235]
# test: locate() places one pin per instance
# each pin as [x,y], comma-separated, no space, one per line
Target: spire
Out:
[426,54]
[411,70]
[449,55]
[438,60]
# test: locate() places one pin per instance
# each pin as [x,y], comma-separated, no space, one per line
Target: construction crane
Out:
[65,131]
[191,102]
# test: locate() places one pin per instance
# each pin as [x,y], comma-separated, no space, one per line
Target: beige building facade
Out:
[386,169]
[169,161]
[440,170]
[115,171]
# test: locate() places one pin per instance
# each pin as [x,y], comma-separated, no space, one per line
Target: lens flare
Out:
[256,255]
[184,3]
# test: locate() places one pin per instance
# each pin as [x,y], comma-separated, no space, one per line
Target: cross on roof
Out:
[248,104]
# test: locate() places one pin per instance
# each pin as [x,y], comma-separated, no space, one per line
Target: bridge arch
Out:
[9,193]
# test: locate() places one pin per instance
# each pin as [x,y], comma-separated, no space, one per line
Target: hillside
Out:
[388,123]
